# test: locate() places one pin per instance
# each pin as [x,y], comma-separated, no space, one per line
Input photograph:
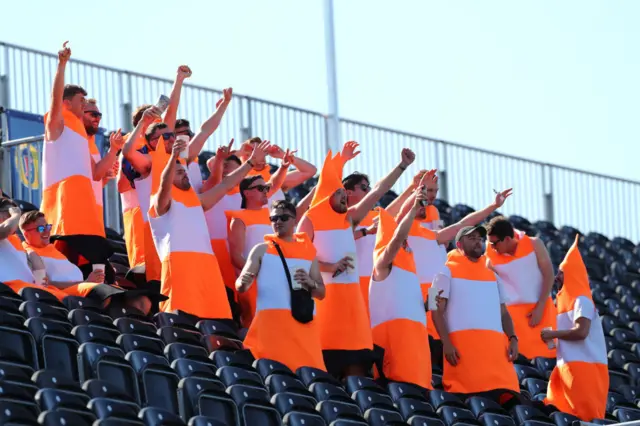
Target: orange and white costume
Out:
[257,225]
[68,198]
[398,315]
[429,257]
[132,220]
[364,253]
[14,268]
[473,316]
[342,314]
[579,383]
[432,219]
[191,278]
[522,281]
[195,175]
[97,184]
[266,175]
[300,345]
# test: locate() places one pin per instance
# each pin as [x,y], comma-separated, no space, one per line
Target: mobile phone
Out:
[162,103]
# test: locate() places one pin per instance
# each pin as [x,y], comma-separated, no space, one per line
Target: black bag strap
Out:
[284,264]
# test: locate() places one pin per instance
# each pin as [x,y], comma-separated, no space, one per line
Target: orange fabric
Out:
[343,319]
[478,370]
[153,265]
[401,362]
[579,388]
[431,327]
[463,268]
[221,251]
[18,285]
[431,213]
[178,270]
[576,279]
[265,173]
[70,205]
[329,181]
[134,236]
[386,228]
[529,342]
[364,288]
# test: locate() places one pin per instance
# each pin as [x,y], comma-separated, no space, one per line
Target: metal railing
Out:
[542,191]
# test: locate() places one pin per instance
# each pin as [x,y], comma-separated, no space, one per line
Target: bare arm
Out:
[277,179]
[320,291]
[236,238]
[102,167]
[449,233]
[251,268]
[55,123]
[10,226]
[303,205]
[580,331]
[439,320]
[210,125]
[546,268]
[305,225]
[162,200]
[360,210]
[139,161]
[174,99]
[304,170]
[507,323]
[394,207]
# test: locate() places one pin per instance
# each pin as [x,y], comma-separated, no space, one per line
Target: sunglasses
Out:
[166,136]
[365,187]
[494,243]
[42,228]
[94,114]
[261,188]
[280,217]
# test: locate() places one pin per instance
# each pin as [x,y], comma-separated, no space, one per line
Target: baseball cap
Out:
[467,230]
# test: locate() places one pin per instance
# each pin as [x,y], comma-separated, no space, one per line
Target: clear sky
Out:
[549,80]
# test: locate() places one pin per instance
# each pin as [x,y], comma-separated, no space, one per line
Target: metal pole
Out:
[333,120]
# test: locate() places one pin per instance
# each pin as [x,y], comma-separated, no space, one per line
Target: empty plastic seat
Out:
[367,399]
[16,392]
[175,351]
[19,375]
[535,386]
[618,358]
[441,398]
[202,397]
[286,402]
[190,368]
[92,333]
[32,294]
[265,367]
[493,419]
[57,349]
[135,326]
[11,307]
[105,408]
[43,310]
[239,376]
[214,342]
[563,419]
[277,383]
[310,375]
[617,379]
[545,364]
[524,372]
[85,317]
[406,390]
[79,302]
[206,421]
[179,335]
[96,388]
[614,344]
[254,406]
[54,379]
[616,400]
[153,416]
[623,336]
[170,319]
[633,368]
[626,414]
[18,413]
[480,406]
[425,421]
[523,413]
[242,359]
[126,312]
[382,417]
[135,342]
[218,328]
[17,345]
[409,407]
[298,418]
[96,361]
[64,418]
[329,392]
[157,381]
[452,415]
[334,410]
[58,400]
[356,383]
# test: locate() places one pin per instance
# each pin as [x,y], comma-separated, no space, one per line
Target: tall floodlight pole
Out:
[333,121]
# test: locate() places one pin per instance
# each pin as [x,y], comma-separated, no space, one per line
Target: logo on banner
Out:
[28,165]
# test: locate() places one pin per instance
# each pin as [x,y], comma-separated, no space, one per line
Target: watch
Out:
[513,337]
[364,231]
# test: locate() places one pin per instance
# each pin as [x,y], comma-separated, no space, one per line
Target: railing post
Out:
[126,108]
[547,194]
[246,130]
[442,176]
[4,78]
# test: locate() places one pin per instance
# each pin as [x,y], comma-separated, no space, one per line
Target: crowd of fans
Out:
[333,282]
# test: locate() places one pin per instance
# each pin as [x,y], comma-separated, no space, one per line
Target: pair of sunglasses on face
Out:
[280,217]
[94,114]
[42,228]
[261,188]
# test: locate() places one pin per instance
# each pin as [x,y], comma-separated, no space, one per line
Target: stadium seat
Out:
[239,376]
[214,342]
[218,328]
[18,413]
[406,390]
[11,307]
[153,416]
[156,380]
[64,418]
[366,399]
[43,310]
[310,375]
[426,421]
[493,419]
[170,319]
[266,367]
[297,418]
[241,359]
[16,392]
[135,342]
[96,388]
[409,407]
[202,397]
[545,365]
[441,399]
[525,372]
[61,401]
[206,421]
[329,392]
[97,361]
[627,414]
[57,349]
[286,402]
[17,345]
[535,386]
[190,368]
[105,408]
[334,410]
[52,379]
[277,383]
[617,379]
[254,405]
[563,419]
[382,417]
[619,358]
[179,335]
[523,413]
[79,302]
[32,294]
[95,334]
[85,317]
[175,351]
[480,406]
[19,375]
[454,415]
[356,383]
[134,326]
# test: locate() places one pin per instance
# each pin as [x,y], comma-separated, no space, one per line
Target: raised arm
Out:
[55,123]
[400,235]
[278,178]
[304,169]
[360,210]
[215,165]
[408,203]
[210,125]
[104,166]
[447,234]
[170,115]
[251,268]
[303,205]
[10,226]
[395,206]
[162,201]
[139,161]
[209,198]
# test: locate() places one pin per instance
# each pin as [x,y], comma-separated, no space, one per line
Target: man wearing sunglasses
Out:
[275,333]
[524,265]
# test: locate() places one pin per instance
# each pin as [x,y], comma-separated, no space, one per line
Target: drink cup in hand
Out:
[39,275]
[551,343]
[432,303]
[294,283]
[98,267]
[185,152]
[162,104]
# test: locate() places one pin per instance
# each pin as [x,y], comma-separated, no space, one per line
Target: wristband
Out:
[402,167]
[513,337]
